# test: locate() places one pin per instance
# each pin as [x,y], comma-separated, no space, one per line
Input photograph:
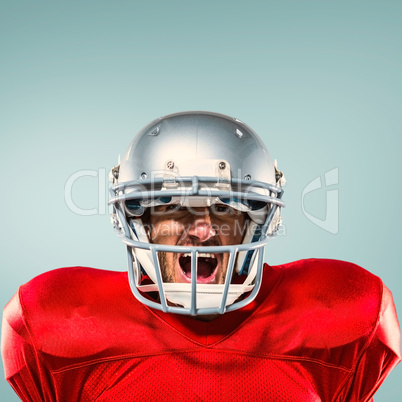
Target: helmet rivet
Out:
[143,175]
[170,165]
[247,177]
[222,165]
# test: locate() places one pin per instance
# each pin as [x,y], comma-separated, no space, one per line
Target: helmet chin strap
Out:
[208,296]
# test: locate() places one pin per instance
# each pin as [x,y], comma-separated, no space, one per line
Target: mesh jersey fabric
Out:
[318,330]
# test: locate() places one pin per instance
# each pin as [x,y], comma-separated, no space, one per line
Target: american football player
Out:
[200,316]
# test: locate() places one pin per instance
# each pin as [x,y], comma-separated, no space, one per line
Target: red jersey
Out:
[318,330]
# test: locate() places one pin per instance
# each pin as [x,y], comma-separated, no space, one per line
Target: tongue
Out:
[204,269]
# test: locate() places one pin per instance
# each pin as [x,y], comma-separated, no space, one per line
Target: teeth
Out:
[204,255]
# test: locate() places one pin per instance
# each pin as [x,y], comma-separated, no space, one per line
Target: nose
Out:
[201,228]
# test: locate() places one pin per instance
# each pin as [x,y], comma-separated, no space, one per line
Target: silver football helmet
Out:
[192,160]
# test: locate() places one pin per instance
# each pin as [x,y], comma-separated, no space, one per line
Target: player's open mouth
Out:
[207,267]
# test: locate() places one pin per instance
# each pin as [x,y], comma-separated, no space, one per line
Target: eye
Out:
[222,209]
[173,208]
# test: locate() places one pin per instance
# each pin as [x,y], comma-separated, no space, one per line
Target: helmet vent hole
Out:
[154,132]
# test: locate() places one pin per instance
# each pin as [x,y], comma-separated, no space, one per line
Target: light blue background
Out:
[320,81]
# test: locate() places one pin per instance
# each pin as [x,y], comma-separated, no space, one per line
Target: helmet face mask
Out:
[196,163]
